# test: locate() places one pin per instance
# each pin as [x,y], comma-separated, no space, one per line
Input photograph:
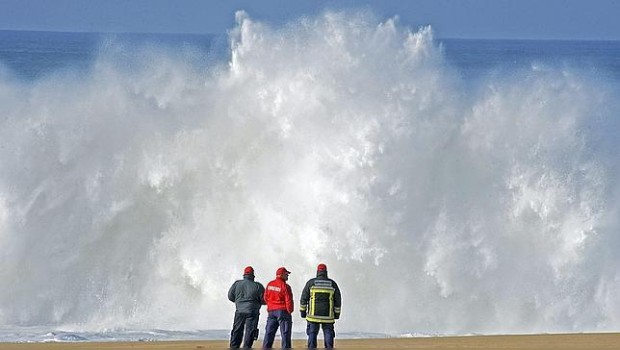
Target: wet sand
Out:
[541,341]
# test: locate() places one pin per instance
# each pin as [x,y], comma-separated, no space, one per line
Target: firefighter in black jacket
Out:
[247,295]
[320,306]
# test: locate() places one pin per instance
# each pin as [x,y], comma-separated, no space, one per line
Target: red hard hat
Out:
[321,267]
[248,270]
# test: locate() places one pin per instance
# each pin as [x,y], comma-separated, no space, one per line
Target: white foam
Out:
[134,196]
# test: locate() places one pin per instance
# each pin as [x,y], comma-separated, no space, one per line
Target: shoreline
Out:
[526,341]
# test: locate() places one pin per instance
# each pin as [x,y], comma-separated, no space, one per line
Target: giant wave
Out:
[132,196]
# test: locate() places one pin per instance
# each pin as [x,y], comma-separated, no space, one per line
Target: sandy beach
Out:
[542,341]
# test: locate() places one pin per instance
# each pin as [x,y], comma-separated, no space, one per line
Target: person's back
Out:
[278,296]
[248,298]
[279,299]
[320,306]
[247,294]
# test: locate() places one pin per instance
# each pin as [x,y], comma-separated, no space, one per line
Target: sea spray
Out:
[133,196]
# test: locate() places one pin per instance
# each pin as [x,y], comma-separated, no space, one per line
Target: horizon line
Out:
[224,34]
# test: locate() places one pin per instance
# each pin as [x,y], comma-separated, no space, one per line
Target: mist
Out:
[133,195]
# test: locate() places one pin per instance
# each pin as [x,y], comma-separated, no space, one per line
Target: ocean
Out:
[451,186]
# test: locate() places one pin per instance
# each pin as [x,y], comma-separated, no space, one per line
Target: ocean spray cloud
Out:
[131,196]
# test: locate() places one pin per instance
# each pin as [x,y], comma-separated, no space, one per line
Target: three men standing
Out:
[248,297]
[320,306]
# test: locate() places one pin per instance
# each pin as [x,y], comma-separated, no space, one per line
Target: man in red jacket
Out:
[279,299]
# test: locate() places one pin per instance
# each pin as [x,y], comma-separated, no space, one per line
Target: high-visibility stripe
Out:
[320,320]
[324,288]
[322,283]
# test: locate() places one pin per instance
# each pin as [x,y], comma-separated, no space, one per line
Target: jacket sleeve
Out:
[231,292]
[337,300]
[288,299]
[305,297]
[261,292]
[265,294]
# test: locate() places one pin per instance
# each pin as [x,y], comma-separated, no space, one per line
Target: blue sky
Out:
[524,19]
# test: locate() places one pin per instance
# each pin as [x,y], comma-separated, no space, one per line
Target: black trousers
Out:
[247,322]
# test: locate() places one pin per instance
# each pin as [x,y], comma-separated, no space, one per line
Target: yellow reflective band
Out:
[311,316]
[320,320]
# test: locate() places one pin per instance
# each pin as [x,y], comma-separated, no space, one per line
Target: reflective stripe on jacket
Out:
[321,299]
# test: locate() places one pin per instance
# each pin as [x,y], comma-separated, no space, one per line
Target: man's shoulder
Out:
[249,282]
[322,282]
[278,282]
[326,279]
[275,282]
[234,286]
